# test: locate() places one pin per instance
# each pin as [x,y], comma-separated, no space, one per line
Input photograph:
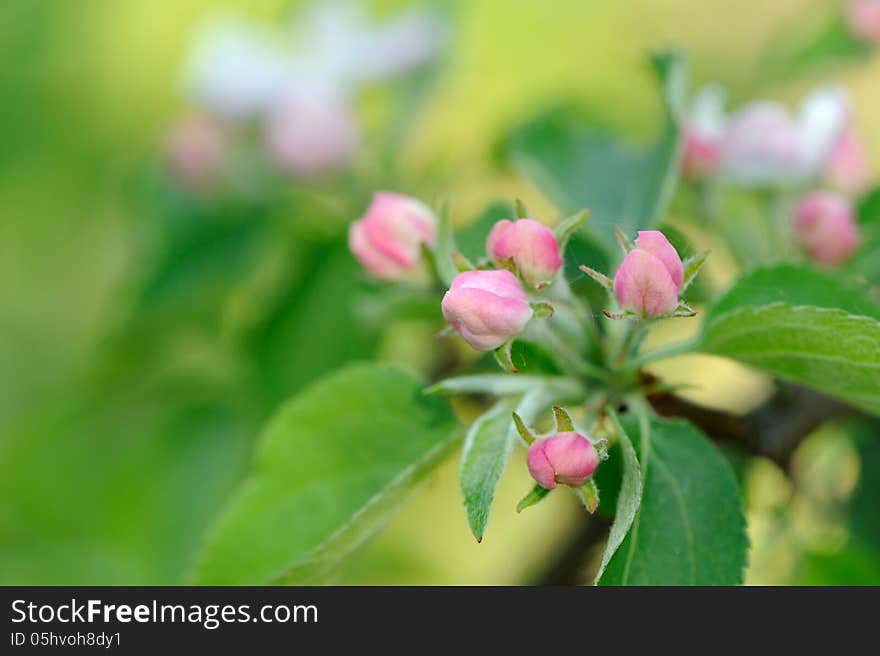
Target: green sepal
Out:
[601,278]
[542,310]
[523,430]
[692,266]
[504,359]
[563,420]
[536,495]
[626,245]
[568,226]
[588,493]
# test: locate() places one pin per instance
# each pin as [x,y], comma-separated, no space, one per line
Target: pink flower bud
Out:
[567,458]
[825,227]
[312,132]
[703,131]
[647,281]
[700,154]
[486,308]
[389,237]
[847,168]
[195,150]
[531,245]
[863,18]
[656,243]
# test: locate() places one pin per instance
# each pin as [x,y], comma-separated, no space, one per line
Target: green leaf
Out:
[197,265]
[330,468]
[690,528]
[487,449]
[864,511]
[802,326]
[628,499]
[798,285]
[578,163]
[583,250]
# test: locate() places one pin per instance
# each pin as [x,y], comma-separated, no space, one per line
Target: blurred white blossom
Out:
[299,81]
[347,47]
[236,69]
[765,145]
[312,131]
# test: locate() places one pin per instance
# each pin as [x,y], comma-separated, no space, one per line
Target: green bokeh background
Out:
[118,490]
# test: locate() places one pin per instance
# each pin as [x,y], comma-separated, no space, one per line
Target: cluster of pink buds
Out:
[487,307]
[825,227]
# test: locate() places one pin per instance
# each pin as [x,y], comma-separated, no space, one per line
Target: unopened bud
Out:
[863,18]
[847,168]
[487,308]
[648,279]
[389,237]
[702,133]
[567,458]
[530,245]
[825,227]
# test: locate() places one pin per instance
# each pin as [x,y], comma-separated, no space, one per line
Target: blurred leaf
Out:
[849,566]
[313,328]
[578,164]
[864,507]
[628,498]
[582,249]
[472,239]
[117,489]
[866,261]
[332,465]
[443,263]
[690,528]
[697,291]
[833,43]
[202,252]
[803,326]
